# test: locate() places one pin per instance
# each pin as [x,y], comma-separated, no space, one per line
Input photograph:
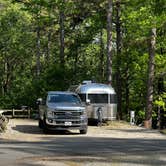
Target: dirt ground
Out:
[116,144]
[27,130]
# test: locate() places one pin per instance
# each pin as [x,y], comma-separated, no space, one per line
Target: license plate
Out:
[68,123]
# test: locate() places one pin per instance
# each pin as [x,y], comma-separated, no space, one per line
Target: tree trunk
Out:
[101,65]
[127,93]
[76,58]
[48,46]
[62,40]
[6,78]
[150,80]
[38,65]
[49,33]
[109,42]
[118,58]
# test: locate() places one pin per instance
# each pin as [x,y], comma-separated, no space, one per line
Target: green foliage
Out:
[161,101]
[56,78]
[85,48]
[163,131]
[140,117]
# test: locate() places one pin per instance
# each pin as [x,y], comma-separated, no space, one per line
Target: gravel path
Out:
[117,144]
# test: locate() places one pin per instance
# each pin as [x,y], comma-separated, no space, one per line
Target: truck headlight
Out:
[83,113]
[50,114]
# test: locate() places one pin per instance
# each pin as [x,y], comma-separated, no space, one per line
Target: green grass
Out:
[163,131]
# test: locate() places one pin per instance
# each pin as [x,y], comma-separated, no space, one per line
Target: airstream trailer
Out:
[98,97]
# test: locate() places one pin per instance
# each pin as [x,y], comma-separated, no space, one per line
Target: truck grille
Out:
[67,115]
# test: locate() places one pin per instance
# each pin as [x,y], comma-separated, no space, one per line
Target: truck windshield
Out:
[63,98]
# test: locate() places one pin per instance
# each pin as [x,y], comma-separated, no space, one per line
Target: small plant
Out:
[161,101]
[163,131]
[140,116]
[160,106]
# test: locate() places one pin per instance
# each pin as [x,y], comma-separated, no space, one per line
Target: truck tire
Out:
[84,131]
[40,123]
[45,129]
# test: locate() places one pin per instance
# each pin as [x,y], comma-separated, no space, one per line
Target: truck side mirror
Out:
[88,101]
[39,101]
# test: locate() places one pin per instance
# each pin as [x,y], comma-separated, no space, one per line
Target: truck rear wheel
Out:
[84,131]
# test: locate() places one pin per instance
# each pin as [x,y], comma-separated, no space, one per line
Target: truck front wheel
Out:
[45,129]
[40,123]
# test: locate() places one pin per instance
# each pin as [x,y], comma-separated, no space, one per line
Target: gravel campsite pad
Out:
[115,144]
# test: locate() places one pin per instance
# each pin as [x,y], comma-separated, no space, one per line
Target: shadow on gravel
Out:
[30,129]
[33,129]
[136,130]
[83,149]
[94,160]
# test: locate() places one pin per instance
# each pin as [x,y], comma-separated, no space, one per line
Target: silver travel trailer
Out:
[99,98]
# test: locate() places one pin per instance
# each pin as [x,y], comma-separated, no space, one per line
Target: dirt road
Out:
[117,144]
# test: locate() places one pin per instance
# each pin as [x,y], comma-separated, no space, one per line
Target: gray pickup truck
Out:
[62,111]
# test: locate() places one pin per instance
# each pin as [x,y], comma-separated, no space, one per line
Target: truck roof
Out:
[60,92]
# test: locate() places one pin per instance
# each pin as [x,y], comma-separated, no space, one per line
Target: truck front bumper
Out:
[54,124]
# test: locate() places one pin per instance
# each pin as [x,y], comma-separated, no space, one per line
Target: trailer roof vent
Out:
[86,82]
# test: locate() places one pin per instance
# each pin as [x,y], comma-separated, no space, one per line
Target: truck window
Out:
[98,98]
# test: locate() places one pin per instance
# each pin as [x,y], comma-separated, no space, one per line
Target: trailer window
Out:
[98,98]
[113,98]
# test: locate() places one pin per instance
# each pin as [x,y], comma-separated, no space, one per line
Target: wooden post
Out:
[12,113]
[29,113]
